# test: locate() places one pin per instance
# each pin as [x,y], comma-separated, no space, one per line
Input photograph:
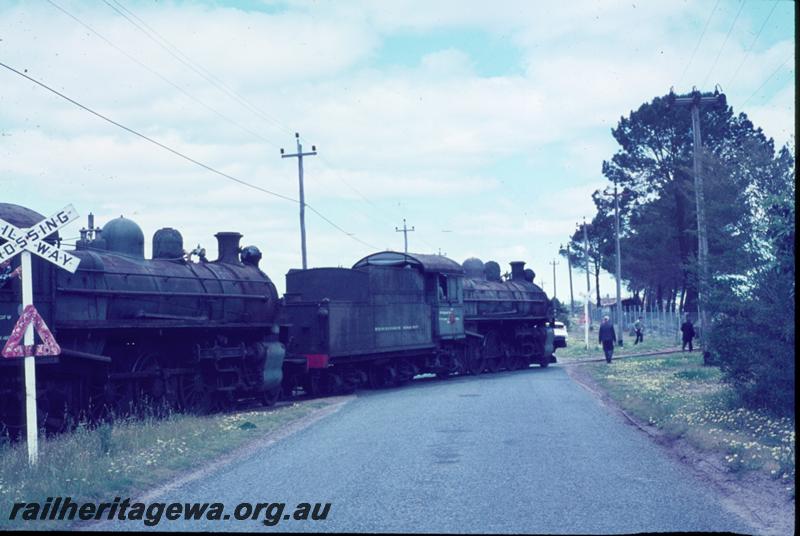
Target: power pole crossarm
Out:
[299,155]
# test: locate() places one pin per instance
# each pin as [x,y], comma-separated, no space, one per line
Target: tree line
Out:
[750,220]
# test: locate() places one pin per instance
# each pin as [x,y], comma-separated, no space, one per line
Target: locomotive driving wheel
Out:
[270,397]
[193,395]
[382,375]
[517,362]
[493,352]
[152,388]
[55,402]
[406,370]
[475,357]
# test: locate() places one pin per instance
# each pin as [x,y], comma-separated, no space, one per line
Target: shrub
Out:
[753,341]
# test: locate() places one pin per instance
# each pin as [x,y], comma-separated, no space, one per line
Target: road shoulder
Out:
[247,450]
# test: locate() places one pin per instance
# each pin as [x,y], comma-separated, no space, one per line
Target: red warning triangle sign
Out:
[14,346]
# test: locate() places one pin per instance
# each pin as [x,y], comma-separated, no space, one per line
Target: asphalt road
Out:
[523,452]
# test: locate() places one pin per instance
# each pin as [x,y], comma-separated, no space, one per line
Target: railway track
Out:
[601,359]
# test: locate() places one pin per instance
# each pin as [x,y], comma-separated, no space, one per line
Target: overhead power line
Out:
[176,53]
[378,210]
[180,154]
[725,42]
[750,48]
[162,77]
[182,90]
[145,137]
[767,80]
[697,46]
[204,73]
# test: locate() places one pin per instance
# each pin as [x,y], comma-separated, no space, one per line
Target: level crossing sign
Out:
[14,346]
[32,240]
[24,241]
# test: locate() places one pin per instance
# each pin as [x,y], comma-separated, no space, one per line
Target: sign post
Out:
[31,417]
[27,241]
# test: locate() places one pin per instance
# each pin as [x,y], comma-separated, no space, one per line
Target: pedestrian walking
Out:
[638,326]
[688,333]
[607,337]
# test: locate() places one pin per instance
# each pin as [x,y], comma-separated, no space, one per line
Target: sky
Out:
[483,124]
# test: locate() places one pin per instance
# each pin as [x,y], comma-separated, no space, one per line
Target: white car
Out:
[560,335]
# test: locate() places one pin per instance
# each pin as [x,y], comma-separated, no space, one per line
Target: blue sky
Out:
[484,125]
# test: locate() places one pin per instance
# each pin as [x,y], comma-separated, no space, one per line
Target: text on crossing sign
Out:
[32,239]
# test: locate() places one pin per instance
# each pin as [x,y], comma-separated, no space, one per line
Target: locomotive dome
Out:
[167,244]
[492,271]
[124,236]
[474,268]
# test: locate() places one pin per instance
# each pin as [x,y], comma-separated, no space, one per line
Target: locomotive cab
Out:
[444,288]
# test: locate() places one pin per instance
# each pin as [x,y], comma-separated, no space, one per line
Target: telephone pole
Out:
[695,101]
[620,327]
[299,155]
[571,297]
[405,230]
[554,263]
[588,285]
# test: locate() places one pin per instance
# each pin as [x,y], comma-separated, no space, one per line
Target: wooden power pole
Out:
[620,327]
[554,263]
[299,155]
[405,230]
[571,296]
[695,101]
[588,284]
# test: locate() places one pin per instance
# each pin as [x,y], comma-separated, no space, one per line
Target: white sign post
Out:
[586,297]
[27,241]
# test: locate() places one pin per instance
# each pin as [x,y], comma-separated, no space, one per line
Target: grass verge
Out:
[120,460]
[685,399]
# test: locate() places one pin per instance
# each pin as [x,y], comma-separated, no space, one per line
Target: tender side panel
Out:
[401,316]
[350,328]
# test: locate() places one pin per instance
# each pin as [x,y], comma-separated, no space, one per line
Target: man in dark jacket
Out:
[607,337]
[638,326]
[688,333]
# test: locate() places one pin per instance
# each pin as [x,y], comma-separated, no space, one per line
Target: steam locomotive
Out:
[194,335]
[201,335]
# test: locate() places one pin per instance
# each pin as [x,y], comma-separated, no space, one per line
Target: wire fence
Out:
[653,321]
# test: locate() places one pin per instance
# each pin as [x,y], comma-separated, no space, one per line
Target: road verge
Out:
[143,457]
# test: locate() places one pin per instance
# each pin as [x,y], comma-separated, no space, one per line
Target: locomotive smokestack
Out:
[228,245]
[518,271]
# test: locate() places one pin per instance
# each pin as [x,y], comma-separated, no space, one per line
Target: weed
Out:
[101,462]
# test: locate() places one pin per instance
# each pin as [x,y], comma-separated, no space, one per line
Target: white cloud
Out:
[423,140]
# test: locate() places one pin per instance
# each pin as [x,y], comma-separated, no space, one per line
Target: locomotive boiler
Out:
[166,330]
[514,317]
